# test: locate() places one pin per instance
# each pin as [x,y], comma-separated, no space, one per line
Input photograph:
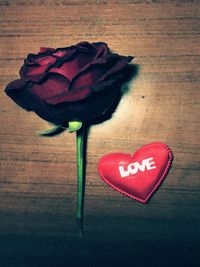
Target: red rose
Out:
[75,83]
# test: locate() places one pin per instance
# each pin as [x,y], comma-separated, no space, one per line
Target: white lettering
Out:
[150,164]
[133,168]
[123,173]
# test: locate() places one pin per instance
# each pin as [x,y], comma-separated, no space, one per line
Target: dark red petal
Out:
[105,84]
[101,48]
[119,65]
[47,60]
[63,70]
[72,66]
[53,85]
[23,71]
[84,110]
[33,59]
[70,96]
[46,49]
[15,90]
[84,46]
[61,52]
[37,70]
[88,77]
[37,105]
[98,70]
[87,109]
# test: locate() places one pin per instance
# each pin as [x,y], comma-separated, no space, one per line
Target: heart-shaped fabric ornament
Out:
[139,175]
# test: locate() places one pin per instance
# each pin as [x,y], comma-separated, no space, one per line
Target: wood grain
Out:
[38,175]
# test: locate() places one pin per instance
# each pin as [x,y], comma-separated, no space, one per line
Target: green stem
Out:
[80,173]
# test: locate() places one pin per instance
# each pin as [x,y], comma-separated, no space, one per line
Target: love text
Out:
[133,168]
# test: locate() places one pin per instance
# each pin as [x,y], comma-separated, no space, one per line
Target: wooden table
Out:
[38,175]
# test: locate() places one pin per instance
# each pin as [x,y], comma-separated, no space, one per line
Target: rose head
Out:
[73,83]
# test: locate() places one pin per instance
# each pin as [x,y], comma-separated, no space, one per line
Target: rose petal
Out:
[60,52]
[88,77]
[15,90]
[99,70]
[53,85]
[37,71]
[70,96]
[72,66]
[46,49]
[102,49]
[84,47]
[119,65]
[37,105]
[24,70]
[37,68]
[46,60]
[87,109]
[38,58]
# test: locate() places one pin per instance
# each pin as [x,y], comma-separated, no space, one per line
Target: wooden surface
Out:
[38,175]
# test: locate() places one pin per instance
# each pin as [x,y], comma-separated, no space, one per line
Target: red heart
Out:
[139,175]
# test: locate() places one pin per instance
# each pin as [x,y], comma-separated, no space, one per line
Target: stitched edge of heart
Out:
[143,201]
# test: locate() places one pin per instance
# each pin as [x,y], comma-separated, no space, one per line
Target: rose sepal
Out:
[52,131]
[74,126]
